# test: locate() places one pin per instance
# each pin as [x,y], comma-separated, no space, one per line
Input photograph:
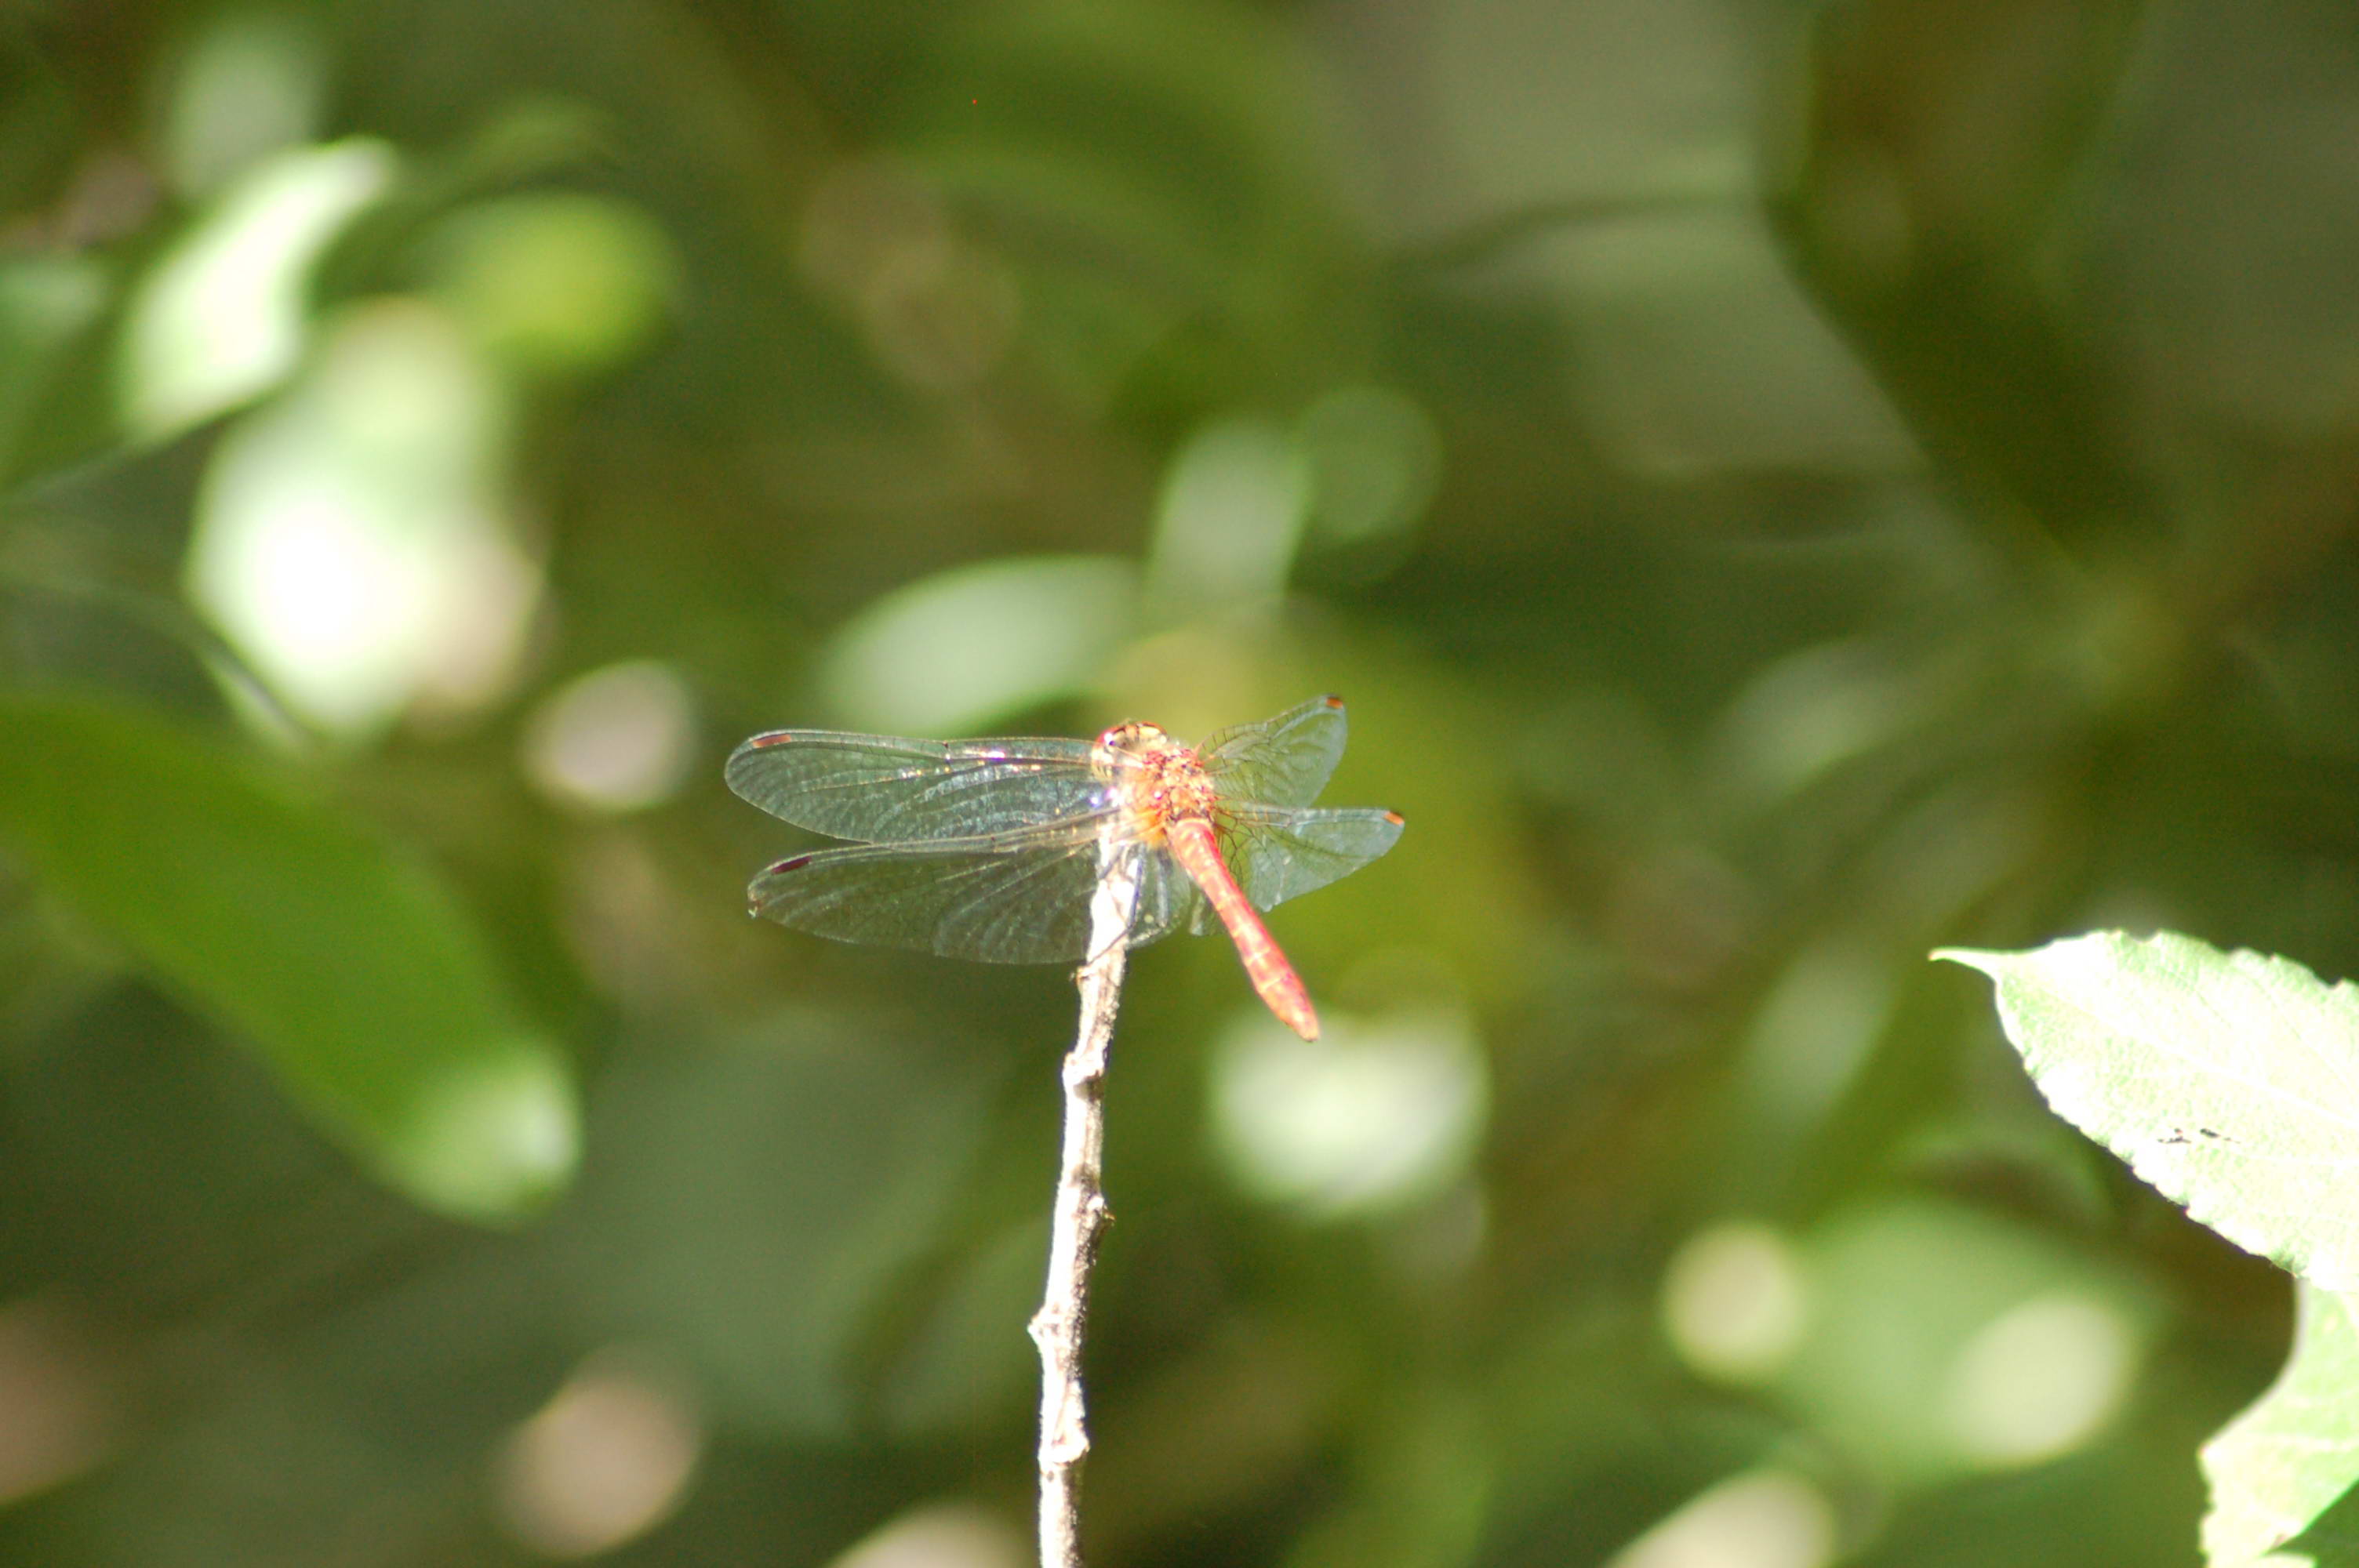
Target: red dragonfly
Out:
[992,849]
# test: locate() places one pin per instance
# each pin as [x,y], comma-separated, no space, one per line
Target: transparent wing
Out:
[1283,760]
[879,787]
[1280,852]
[1011,898]
[1167,899]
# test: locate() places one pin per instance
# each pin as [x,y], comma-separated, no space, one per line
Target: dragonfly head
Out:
[1129,743]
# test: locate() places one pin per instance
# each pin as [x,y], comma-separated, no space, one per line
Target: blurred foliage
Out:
[1785,487]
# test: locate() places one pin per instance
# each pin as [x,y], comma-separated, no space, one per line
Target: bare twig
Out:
[1081,1215]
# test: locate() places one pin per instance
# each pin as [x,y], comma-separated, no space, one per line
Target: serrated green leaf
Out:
[348,966]
[2278,1468]
[2229,1081]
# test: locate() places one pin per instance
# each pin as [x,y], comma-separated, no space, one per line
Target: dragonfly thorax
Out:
[1158,780]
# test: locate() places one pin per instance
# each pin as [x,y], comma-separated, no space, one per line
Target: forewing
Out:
[1277,853]
[1283,760]
[880,788]
[1011,898]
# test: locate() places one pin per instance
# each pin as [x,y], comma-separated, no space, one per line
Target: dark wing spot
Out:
[1334,701]
[1396,818]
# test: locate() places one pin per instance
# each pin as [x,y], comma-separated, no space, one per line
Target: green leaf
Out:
[811,1171]
[50,305]
[351,970]
[2229,1081]
[2278,1467]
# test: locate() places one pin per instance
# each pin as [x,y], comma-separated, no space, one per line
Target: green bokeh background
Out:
[1783,487]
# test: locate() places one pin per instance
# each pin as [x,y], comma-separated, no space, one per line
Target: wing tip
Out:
[1396,820]
[733,770]
[758,895]
[1333,701]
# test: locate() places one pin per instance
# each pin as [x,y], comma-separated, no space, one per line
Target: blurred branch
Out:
[1081,1216]
[1941,268]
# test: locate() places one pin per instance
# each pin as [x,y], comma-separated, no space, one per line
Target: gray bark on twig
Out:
[1081,1216]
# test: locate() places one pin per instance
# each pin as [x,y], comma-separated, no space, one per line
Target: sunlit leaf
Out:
[222,318]
[2277,1467]
[2229,1081]
[346,964]
[555,283]
[351,539]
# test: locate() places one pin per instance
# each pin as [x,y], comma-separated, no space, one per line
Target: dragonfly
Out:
[993,850]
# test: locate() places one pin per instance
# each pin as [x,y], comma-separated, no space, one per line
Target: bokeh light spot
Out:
[1367,1117]
[607,1459]
[1764,1519]
[1232,515]
[348,540]
[1735,1302]
[941,1537]
[58,1405]
[223,317]
[556,282]
[1376,460]
[496,1135]
[2042,1379]
[1813,1032]
[250,85]
[618,739]
[1921,1360]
